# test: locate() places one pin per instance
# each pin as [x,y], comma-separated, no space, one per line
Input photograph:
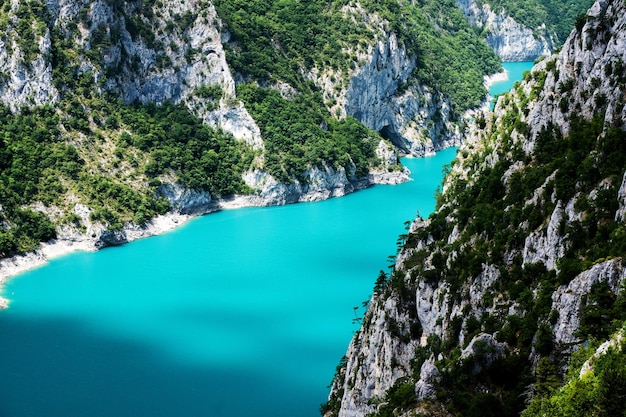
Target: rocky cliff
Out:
[522,263]
[381,93]
[417,121]
[511,40]
[126,49]
[87,64]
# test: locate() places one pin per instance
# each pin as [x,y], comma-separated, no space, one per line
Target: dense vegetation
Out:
[201,157]
[598,392]
[109,155]
[279,41]
[559,16]
[299,133]
[34,161]
[275,40]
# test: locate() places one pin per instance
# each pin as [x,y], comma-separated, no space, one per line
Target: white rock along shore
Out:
[18,264]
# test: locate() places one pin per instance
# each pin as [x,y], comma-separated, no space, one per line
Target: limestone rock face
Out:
[390,171]
[111,238]
[485,346]
[567,300]
[236,120]
[511,40]
[620,214]
[613,343]
[170,64]
[545,245]
[377,358]
[374,97]
[429,375]
[581,81]
[186,201]
[26,82]
[321,184]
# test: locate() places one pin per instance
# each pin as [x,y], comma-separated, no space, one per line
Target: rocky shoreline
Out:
[496,78]
[275,194]
[491,80]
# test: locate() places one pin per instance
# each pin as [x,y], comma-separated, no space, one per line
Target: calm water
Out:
[515,71]
[239,313]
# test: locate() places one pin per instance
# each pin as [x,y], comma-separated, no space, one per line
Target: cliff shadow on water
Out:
[239,304]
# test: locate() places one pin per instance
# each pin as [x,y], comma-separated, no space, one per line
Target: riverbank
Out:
[278,194]
[490,81]
[55,248]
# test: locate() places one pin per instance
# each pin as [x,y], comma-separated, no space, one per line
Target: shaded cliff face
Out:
[511,40]
[522,263]
[418,121]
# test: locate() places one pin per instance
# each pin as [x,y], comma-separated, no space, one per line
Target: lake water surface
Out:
[240,313]
[515,72]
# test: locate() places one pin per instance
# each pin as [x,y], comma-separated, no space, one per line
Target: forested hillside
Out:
[510,297]
[559,16]
[116,112]
[275,42]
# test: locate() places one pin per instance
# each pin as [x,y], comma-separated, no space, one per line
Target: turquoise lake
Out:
[515,71]
[239,313]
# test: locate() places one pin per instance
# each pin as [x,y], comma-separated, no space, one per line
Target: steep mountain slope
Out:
[523,30]
[510,39]
[556,16]
[117,112]
[406,70]
[522,263]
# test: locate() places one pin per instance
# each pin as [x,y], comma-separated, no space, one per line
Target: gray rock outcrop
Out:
[511,40]
[111,238]
[417,120]
[184,200]
[568,300]
[376,358]
[425,388]
[584,76]
[24,81]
